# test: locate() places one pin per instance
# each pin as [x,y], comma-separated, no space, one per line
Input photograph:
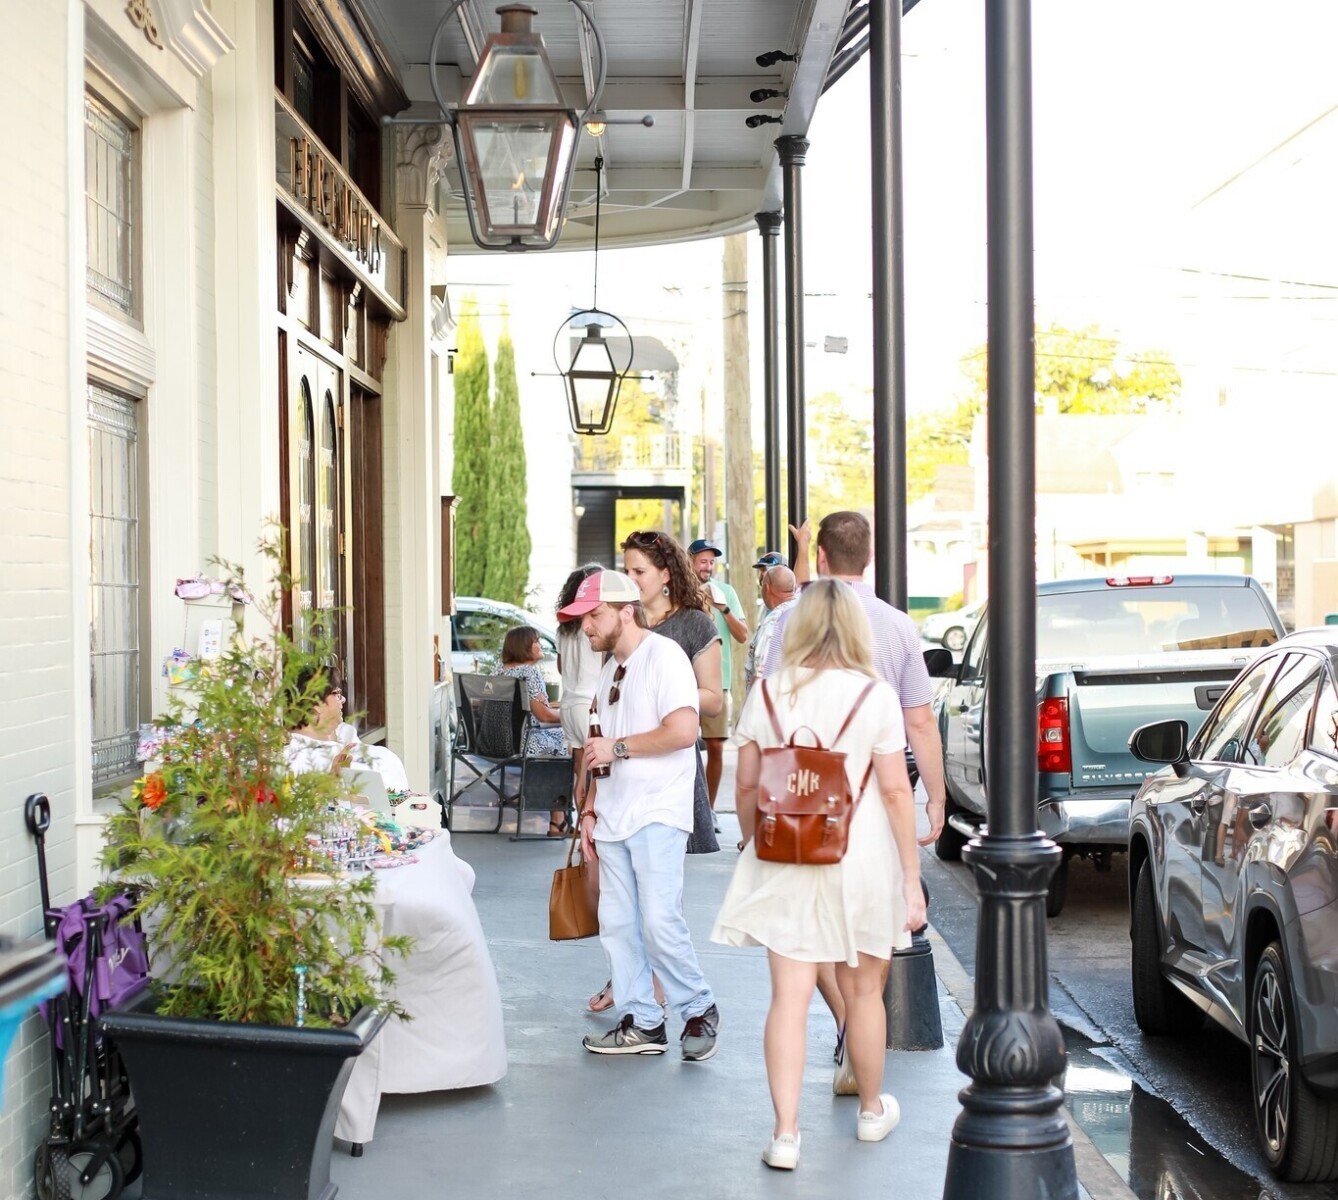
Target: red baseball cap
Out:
[603,587]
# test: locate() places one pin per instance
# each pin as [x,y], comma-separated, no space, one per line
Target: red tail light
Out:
[1138,580]
[1054,752]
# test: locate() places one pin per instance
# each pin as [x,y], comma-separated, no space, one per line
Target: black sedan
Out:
[1233,873]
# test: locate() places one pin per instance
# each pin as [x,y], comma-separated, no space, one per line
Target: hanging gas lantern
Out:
[515,137]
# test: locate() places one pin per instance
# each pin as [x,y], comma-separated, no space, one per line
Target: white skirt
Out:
[575,720]
[822,914]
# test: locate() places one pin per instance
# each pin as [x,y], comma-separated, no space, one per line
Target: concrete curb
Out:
[1096,1176]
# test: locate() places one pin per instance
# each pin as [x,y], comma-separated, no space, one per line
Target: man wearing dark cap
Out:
[772,558]
[728,614]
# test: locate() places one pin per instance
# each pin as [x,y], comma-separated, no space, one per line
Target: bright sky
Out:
[1141,109]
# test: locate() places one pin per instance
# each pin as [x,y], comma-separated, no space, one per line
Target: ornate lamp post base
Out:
[1011,1141]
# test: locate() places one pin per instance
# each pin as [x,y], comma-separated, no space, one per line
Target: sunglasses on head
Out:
[647,539]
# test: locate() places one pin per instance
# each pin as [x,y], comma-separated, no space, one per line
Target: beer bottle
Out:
[601,771]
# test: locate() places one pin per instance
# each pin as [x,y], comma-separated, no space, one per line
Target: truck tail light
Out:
[1054,751]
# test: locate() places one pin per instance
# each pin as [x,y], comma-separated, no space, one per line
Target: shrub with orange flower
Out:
[213,838]
[152,790]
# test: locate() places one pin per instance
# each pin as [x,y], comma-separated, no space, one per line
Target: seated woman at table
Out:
[312,745]
[521,652]
[319,745]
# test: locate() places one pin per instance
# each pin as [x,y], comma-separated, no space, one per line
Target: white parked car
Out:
[477,630]
[952,629]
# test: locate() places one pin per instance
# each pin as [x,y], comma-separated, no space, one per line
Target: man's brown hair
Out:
[847,540]
[638,611]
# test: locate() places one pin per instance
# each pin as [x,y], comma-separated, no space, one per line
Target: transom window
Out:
[110,182]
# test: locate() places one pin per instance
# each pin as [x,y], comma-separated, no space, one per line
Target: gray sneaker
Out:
[699,1034]
[626,1038]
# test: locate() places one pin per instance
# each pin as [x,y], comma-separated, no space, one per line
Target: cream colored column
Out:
[172,413]
[740,512]
[412,482]
[244,236]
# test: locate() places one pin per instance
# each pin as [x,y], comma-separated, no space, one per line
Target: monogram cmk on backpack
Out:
[804,805]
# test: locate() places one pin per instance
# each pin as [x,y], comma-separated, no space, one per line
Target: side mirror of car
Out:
[1161,742]
[939,664]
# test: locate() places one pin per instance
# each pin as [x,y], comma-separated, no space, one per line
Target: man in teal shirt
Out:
[728,614]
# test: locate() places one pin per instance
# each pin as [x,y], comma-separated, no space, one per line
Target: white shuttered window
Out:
[115,574]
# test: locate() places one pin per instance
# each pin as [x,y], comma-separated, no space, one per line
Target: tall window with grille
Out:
[116,567]
[111,184]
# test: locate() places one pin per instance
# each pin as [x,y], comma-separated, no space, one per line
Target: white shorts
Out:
[575,720]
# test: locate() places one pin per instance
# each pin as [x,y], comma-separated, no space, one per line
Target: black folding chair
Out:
[493,734]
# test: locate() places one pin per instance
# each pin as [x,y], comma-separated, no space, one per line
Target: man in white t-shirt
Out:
[638,819]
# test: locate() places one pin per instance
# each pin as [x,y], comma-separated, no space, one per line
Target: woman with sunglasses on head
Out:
[677,607]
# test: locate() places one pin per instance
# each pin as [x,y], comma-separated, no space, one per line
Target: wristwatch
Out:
[620,749]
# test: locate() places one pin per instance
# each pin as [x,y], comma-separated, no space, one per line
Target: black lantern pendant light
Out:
[515,137]
[592,376]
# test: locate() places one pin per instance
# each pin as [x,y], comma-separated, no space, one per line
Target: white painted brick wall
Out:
[35,617]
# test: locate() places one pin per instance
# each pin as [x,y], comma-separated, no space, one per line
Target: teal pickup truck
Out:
[1112,654]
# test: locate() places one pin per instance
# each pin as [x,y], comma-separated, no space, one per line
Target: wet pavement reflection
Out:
[1155,1151]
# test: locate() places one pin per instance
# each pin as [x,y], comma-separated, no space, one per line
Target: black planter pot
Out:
[235,1112]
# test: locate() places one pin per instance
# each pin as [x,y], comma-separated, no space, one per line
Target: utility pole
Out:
[740,511]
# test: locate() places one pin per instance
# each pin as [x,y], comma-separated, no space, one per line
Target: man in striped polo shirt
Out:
[845,549]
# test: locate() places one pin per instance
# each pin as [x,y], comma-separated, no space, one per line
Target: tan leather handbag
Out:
[804,805]
[573,902]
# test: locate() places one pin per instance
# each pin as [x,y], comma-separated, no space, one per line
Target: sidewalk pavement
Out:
[574,1126]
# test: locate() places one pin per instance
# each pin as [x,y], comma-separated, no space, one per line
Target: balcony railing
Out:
[634,452]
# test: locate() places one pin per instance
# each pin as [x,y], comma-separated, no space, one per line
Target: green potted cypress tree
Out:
[268,971]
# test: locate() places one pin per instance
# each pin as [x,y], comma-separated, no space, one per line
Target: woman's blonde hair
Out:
[828,631]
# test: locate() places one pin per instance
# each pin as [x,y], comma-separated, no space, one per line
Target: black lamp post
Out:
[515,136]
[1011,1141]
[593,379]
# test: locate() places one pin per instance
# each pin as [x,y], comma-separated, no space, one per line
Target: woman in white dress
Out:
[855,912]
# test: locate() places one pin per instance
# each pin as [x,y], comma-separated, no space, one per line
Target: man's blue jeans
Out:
[642,927]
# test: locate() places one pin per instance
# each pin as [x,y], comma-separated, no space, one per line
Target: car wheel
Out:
[950,841]
[955,639]
[1298,1130]
[1058,891]
[1159,1006]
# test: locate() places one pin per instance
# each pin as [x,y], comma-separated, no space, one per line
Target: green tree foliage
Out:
[474,457]
[507,572]
[1078,371]
[840,455]
[1083,371]
[638,417]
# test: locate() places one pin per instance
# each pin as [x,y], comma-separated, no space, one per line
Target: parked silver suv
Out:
[1233,875]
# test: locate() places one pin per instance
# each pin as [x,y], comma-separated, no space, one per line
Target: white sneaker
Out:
[783,1152]
[874,1127]
[843,1078]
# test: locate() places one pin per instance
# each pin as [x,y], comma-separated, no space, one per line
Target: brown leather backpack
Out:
[804,805]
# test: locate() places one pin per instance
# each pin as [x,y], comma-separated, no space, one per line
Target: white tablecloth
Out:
[447,984]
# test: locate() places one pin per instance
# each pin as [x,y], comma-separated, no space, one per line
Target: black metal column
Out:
[889,304]
[792,149]
[1010,1141]
[769,224]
